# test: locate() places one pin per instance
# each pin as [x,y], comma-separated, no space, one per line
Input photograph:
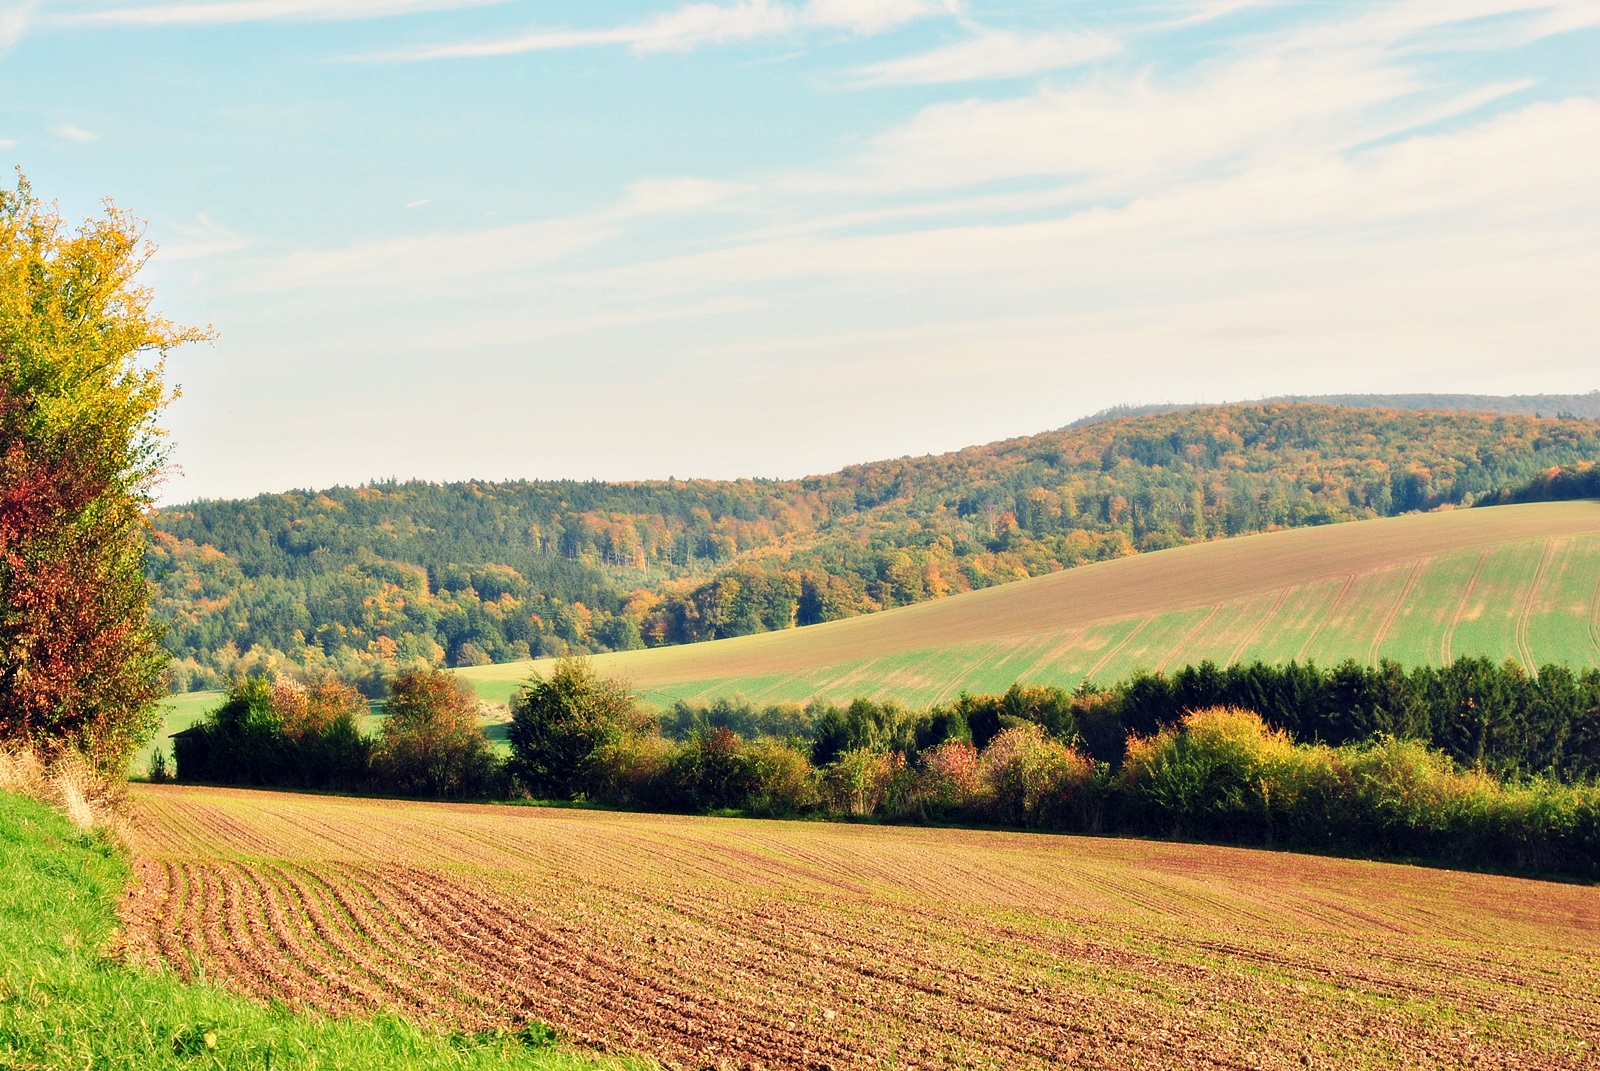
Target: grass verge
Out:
[66,1003]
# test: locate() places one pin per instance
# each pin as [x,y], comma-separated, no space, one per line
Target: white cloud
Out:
[696,24]
[680,30]
[1133,132]
[1475,23]
[419,202]
[69,132]
[1212,10]
[499,257]
[235,11]
[14,19]
[415,268]
[1317,203]
[1568,16]
[991,54]
[203,238]
[653,196]
[1327,88]
[874,16]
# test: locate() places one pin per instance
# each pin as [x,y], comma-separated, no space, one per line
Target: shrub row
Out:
[1483,714]
[1019,760]
[293,736]
[1217,774]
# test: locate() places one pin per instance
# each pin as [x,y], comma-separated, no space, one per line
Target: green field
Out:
[1517,582]
[178,713]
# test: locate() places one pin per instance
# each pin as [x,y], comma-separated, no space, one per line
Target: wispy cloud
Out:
[433,261]
[656,196]
[507,253]
[236,11]
[15,15]
[990,54]
[68,132]
[205,237]
[1290,165]
[1530,172]
[1483,24]
[874,16]
[1212,10]
[696,24]
[1325,87]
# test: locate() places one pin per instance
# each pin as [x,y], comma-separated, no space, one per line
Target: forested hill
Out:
[1578,406]
[359,580]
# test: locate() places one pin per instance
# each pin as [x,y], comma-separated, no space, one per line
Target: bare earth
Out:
[737,943]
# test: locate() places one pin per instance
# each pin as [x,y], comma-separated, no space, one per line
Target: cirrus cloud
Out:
[693,25]
[990,54]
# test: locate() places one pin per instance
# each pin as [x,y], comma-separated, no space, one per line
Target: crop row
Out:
[710,942]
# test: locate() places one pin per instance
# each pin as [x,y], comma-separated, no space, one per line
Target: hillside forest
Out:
[361,582]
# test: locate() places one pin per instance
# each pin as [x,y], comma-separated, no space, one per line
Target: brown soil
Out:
[727,943]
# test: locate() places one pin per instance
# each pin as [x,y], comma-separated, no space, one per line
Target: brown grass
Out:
[67,782]
[718,942]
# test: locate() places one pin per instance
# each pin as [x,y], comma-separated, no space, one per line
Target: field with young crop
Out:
[1517,582]
[744,943]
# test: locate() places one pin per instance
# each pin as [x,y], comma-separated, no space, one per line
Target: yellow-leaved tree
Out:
[81,363]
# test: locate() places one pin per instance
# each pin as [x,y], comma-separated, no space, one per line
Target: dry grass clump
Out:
[65,781]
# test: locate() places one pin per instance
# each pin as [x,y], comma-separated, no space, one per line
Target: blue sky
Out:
[448,238]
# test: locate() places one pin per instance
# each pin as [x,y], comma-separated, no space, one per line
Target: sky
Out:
[453,239]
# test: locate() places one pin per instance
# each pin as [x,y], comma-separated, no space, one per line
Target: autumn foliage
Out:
[81,665]
[430,744]
[361,581]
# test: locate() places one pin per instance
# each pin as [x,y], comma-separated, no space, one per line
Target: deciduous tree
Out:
[81,385]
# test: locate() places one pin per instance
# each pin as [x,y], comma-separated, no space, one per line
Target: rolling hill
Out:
[1582,406]
[1517,582]
[358,581]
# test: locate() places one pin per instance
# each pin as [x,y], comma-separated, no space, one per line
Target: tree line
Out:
[363,581]
[1350,760]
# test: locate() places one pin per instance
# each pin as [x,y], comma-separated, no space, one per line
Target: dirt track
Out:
[714,942]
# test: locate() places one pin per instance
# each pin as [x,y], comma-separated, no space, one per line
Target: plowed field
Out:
[737,943]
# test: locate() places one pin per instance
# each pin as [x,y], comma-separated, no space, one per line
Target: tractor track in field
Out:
[1594,617]
[1188,637]
[1524,647]
[1260,627]
[1447,644]
[1382,632]
[1333,611]
[1106,658]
